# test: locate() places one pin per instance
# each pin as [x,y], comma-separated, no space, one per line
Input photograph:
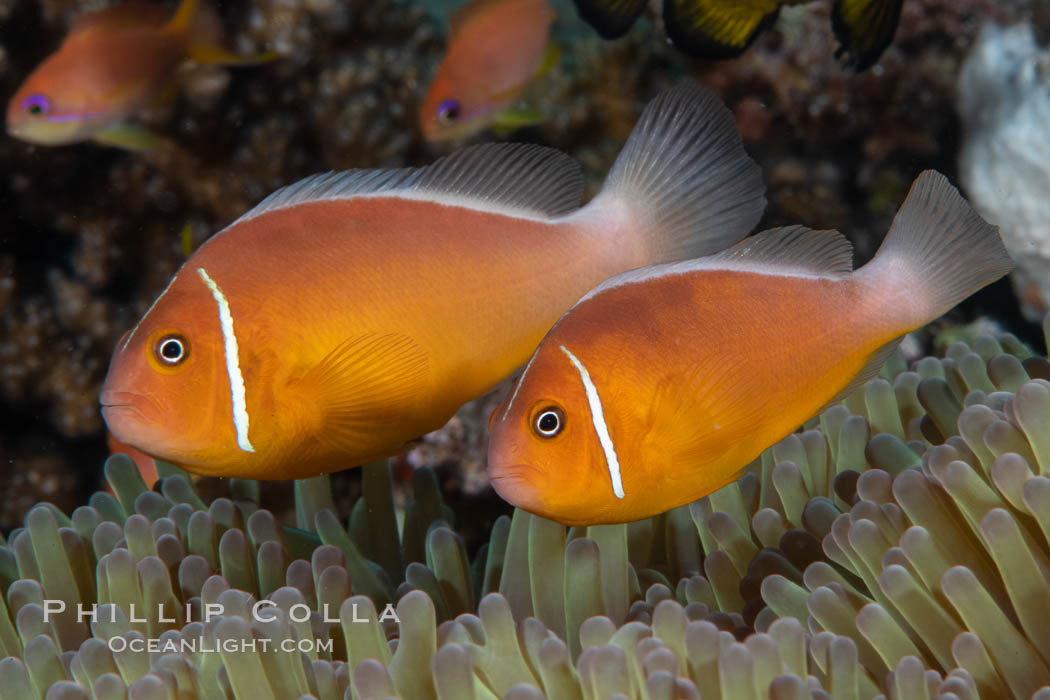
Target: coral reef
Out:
[896,545]
[1005,159]
[92,233]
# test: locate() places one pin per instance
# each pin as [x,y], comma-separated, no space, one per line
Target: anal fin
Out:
[870,369]
[132,137]
[513,119]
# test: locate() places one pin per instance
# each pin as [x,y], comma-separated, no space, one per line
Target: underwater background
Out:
[90,235]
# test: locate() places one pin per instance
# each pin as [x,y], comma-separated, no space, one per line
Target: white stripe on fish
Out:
[598,418]
[233,366]
[132,333]
[517,387]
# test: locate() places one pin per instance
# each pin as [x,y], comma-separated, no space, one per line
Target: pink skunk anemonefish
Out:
[350,313]
[662,383]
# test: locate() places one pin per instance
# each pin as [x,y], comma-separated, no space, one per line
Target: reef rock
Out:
[1004,103]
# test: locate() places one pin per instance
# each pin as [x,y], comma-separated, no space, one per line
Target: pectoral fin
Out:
[133,137]
[366,385]
[696,419]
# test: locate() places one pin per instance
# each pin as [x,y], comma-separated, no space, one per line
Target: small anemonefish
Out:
[495,49]
[350,313]
[113,64]
[718,29]
[662,383]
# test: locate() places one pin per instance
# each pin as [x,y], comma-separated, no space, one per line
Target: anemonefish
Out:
[661,384]
[718,29]
[350,313]
[113,64]
[495,49]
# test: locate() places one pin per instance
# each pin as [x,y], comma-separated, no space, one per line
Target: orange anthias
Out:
[660,385]
[495,49]
[112,65]
[350,313]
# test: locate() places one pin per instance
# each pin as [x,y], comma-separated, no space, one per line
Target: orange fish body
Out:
[353,312]
[495,48]
[112,65]
[659,386]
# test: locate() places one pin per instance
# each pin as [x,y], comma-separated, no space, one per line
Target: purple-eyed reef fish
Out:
[113,64]
[660,385]
[350,313]
[719,29]
[495,49]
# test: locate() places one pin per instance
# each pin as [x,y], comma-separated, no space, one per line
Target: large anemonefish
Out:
[661,384]
[495,49]
[352,312]
[114,63]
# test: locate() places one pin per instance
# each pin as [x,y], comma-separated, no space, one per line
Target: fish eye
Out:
[448,111]
[549,422]
[36,105]
[172,349]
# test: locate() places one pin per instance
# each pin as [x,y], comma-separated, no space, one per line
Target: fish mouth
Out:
[117,399]
[521,485]
[124,404]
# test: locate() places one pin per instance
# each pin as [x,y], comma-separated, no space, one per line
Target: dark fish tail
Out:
[864,29]
[716,29]
[611,18]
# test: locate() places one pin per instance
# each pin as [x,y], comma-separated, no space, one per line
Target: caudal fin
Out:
[683,180]
[185,16]
[198,24]
[938,251]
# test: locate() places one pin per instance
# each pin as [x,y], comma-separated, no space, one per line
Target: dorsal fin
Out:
[795,249]
[129,14]
[459,17]
[515,179]
[790,250]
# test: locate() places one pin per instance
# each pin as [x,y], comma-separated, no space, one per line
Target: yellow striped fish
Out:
[719,29]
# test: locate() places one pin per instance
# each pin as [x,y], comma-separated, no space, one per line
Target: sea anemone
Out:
[898,545]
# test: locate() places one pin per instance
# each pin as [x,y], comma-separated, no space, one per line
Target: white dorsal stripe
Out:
[598,418]
[233,365]
[517,180]
[517,387]
[712,262]
[133,330]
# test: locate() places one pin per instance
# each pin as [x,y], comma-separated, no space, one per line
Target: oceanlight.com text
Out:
[200,645]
